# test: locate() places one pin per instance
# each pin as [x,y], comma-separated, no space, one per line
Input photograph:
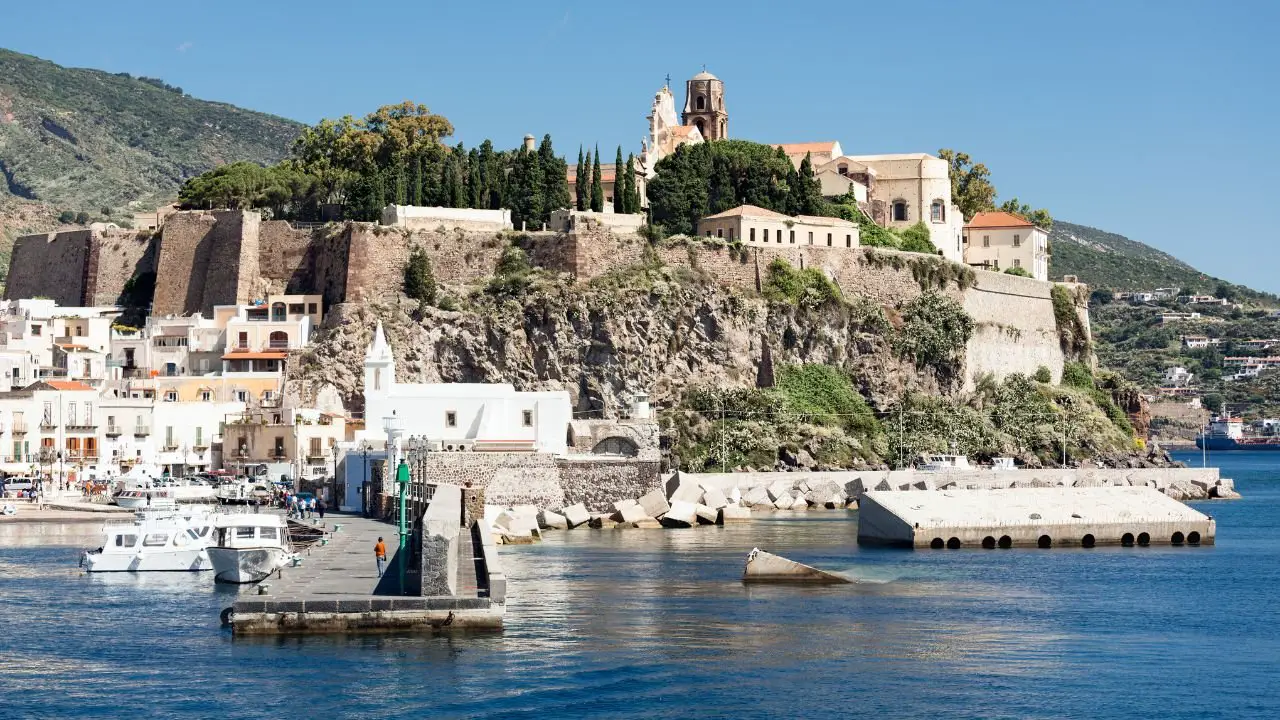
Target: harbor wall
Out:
[441,533]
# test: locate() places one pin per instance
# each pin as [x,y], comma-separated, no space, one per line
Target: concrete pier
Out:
[336,588]
[1030,517]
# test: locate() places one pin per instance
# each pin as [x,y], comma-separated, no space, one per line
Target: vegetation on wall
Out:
[1072,335]
[419,281]
[934,332]
[808,288]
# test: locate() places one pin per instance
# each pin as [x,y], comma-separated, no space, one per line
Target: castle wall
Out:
[377,257]
[285,259]
[207,259]
[1015,328]
[50,265]
[114,258]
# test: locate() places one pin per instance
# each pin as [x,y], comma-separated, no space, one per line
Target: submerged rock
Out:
[764,567]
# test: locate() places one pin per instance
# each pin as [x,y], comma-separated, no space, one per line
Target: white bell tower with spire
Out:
[379,377]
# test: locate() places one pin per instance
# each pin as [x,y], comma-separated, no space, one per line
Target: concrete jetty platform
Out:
[1030,517]
[336,588]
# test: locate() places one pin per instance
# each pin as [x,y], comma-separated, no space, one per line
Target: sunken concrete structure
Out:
[1030,517]
[765,567]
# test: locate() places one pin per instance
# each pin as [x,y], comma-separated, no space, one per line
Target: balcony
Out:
[114,431]
[170,448]
[278,455]
[48,424]
[133,372]
[317,458]
[141,431]
[19,428]
[82,426]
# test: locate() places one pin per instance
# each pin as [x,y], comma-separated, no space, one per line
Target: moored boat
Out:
[247,548]
[158,540]
[1229,433]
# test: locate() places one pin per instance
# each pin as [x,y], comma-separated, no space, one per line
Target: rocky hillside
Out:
[84,140]
[800,375]
[1114,262]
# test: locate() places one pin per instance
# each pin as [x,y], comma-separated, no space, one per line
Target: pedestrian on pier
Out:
[380,554]
[320,507]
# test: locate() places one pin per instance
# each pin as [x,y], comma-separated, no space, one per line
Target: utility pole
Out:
[723,457]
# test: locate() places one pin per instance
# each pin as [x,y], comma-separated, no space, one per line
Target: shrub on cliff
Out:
[808,288]
[934,332]
[1020,272]
[1072,335]
[419,281]
[918,240]
[824,395]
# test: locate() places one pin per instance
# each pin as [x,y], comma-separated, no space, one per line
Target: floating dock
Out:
[1030,517]
[336,588]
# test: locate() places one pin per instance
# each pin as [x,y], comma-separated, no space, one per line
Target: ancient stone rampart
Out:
[206,259]
[51,265]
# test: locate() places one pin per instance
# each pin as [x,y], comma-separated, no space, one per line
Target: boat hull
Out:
[246,565]
[1224,444]
[193,560]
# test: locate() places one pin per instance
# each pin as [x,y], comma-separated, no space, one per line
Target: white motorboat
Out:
[171,540]
[243,492]
[144,498]
[247,548]
[944,463]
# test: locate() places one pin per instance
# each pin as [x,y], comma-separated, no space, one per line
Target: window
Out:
[793,237]
[730,233]
[701,102]
[126,540]
[244,533]
[91,447]
[206,395]
[278,312]
[986,241]
[900,213]
[242,340]
[155,540]
[199,437]
[71,414]
[168,437]
[170,369]
[810,238]
[1017,241]
[843,170]
[35,329]
[526,418]
[17,451]
[171,396]
[766,235]
[242,395]
[708,233]
[47,418]
[937,212]
[279,340]
[314,448]
[720,232]
[295,308]
[88,413]
[311,308]
[848,240]
[450,418]
[828,239]
[267,533]
[1017,263]
[279,448]
[753,234]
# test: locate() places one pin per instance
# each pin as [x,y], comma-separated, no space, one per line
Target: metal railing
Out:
[114,430]
[141,430]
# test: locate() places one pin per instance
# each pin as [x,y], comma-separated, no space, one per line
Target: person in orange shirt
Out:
[380,554]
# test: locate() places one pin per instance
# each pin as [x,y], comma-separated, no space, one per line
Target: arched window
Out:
[938,211]
[724,129]
[701,103]
[279,340]
[277,312]
[615,446]
[899,210]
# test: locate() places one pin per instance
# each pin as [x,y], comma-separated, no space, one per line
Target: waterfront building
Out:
[1001,240]
[302,440]
[757,226]
[461,416]
[50,426]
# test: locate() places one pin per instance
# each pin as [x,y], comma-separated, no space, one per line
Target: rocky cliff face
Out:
[651,329]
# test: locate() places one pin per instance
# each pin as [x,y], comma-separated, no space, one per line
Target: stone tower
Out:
[704,106]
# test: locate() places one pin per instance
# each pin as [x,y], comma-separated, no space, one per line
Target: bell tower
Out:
[704,106]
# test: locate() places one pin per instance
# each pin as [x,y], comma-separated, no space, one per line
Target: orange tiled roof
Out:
[68,385]
[250,355]
[607,173]
[998,220]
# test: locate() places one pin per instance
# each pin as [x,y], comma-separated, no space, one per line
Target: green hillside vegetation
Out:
[1131,340]
[98,143]
[1107,261]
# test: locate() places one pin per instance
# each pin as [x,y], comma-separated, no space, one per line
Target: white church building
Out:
[462,417]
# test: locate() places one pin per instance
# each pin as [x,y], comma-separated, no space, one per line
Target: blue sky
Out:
[1150,119]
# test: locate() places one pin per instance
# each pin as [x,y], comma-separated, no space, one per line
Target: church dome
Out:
[704,75]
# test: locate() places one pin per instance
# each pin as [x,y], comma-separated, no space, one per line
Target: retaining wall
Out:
[441,533]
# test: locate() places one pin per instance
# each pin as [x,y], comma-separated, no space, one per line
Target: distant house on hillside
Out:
[1001,240]
[757,226]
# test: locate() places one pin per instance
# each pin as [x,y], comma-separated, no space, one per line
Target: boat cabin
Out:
[249,531]
[944,463]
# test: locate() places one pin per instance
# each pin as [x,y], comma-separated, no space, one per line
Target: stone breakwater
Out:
[692,499]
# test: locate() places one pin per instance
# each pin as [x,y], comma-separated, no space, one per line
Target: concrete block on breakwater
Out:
[1030,517]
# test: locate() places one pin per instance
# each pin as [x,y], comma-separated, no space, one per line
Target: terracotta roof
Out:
[72,346]
[607,173]
[67,385]
[808,147]
[998,220]
[747,210]
[250,355]
[825,220]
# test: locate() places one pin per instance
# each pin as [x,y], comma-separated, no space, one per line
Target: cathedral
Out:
[704,118]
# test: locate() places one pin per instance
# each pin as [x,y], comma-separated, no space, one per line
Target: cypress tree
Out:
[525,189]
[555,180]
[580,183]
[631,192]
[415,180]
[619,185]
[475,191]
[597,189]
[458,159]
[810,188]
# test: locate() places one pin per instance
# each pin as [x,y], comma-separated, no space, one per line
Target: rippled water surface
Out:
[657,624]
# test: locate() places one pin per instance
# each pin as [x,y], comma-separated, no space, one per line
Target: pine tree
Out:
[630,195]
[597,189]
[580,185]
[555,180]
[619,184]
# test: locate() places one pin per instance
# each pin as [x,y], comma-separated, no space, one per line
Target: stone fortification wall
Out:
[1015,328]
[50,265]
[286,259]
[509,479]
[115,257]
[206,259]
[376,257]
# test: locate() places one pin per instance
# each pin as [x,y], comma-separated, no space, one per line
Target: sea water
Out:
[657,624]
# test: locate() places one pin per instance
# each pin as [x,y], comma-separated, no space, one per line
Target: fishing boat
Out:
[943,463]
[248,547]
[170,539]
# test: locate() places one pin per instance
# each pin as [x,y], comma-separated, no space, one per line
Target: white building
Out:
[1001,240]
[54,425]
[753,225]
[1177,377]
[462,416]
